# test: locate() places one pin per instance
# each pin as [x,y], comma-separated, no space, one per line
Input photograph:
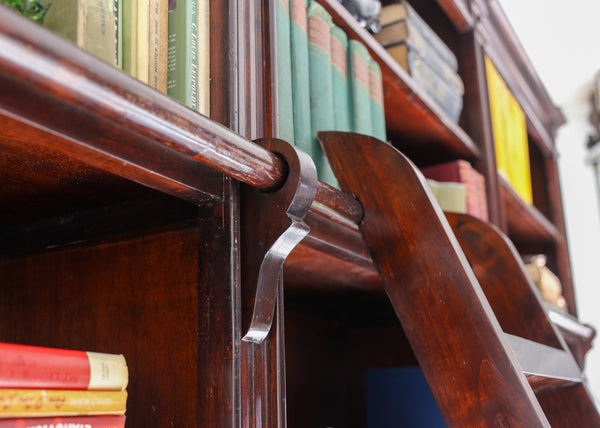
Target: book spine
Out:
[203,54]
[142,40]
[358,63]
[16,403]
[158,34]
[339,69]
[432,39]
[321,84]
[118,11]
[436,63]
[285,108]
[376,96]
[183,52]
[300,75]
[90,24]
[129,35]
[448,100]
[101,421]
[24,366]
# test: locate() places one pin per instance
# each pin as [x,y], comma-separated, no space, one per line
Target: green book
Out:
[300,80]
[90,24]
[182,63]
[321,84]
[339,73]
[285,109]
[358,64]
[376,93]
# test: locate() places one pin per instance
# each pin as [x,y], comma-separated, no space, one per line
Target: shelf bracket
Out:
[272,225]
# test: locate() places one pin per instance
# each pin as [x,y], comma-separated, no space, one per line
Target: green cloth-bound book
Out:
[321,86]
[339,69]
[358,64]
[183,52]
[285,109]
[300,80]
[376,92]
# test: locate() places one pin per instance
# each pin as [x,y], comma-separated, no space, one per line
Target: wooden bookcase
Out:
[123,228]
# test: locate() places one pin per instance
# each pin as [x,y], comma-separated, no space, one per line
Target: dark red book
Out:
[461,171]
[23,366]
[65,422]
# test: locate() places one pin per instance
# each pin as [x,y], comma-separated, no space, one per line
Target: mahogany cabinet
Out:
[129,223]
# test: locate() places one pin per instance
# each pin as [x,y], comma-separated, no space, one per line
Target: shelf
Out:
[415,124]
[526,225]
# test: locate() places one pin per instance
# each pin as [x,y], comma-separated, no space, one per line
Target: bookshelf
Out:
[123,225]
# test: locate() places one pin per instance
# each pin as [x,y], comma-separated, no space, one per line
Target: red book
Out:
[65,422]
[461,171]
[23,366]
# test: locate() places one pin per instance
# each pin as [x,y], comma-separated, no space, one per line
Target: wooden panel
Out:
[125,297]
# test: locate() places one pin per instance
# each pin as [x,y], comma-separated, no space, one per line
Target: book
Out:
[145,41]
[90,24]
[204,57]
[339,75]
[418,33]
[16,403]
[24,366]
[401,51]
[285,107]
[182,69]
[321,84]
[400,397]
[101,421]
[376,96]
[451,197]
[358,64]
[509,128]
[434,86]
[158,44]
[461,171]
[300,75]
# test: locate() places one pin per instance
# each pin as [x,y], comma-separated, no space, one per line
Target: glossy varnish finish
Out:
[433,290]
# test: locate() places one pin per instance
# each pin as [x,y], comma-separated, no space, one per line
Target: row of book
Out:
[423,55]
[52,388]
[162,43]
[325,82]
[458,188]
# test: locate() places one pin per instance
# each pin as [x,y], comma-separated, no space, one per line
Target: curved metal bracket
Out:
[272,225]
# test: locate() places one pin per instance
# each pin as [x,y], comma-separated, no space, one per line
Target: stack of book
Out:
[461,171]
[162,43]
[48,387]
[421,53]
[324,81]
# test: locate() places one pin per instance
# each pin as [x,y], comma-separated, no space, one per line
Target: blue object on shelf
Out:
[400,397]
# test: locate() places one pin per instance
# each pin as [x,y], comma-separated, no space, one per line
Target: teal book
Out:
[339,73]
[360,93]
[285,108]
[182,63]
[300,78]
[376,93]
[321,85]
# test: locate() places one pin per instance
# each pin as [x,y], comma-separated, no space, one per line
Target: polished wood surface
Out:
[448,321]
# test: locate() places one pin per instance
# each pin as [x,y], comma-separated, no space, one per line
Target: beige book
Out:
[90,24]
[158,35]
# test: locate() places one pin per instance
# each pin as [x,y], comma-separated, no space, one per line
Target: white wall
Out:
[562,41]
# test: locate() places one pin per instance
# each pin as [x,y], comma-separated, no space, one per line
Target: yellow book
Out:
[53,402]
[142,41]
